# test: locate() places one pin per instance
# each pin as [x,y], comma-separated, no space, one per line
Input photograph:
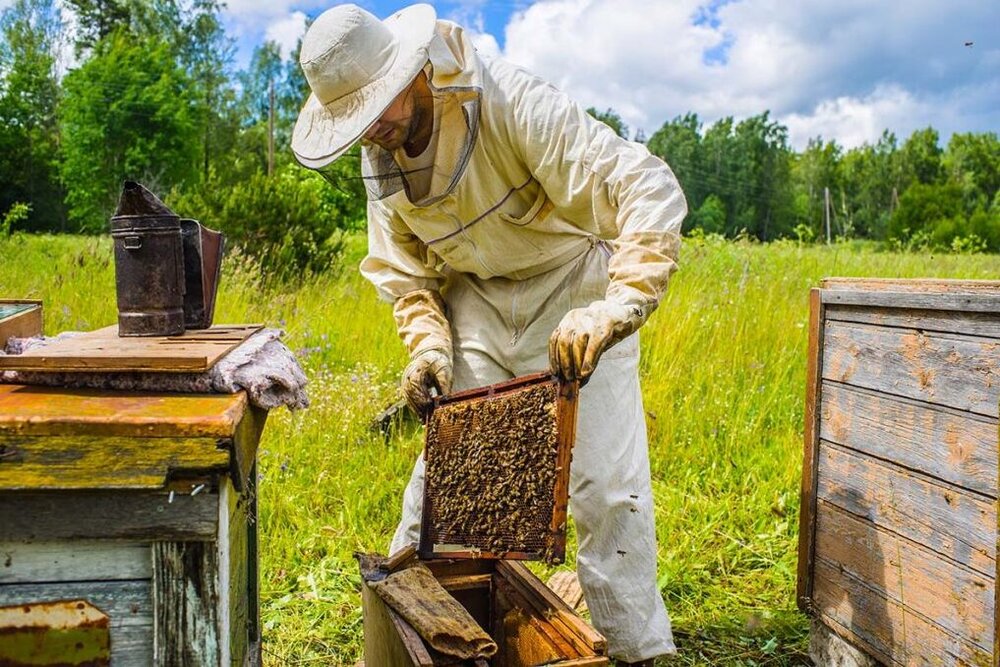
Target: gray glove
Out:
[584,334]
[430,369]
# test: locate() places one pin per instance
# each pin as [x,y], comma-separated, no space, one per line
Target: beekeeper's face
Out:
[398,124]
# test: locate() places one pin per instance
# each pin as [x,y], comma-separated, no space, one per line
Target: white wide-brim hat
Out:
[355,65]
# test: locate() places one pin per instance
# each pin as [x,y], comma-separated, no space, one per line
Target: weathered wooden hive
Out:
[138,508]
[897,554]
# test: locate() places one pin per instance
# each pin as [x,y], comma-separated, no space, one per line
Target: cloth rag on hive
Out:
[262,366]
[437,617]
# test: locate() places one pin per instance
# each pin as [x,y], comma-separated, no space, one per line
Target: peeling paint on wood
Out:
[185,587]
[68,633]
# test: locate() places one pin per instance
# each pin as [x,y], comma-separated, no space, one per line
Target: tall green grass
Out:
[723,371]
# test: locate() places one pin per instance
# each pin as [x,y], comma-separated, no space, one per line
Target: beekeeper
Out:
[512,233]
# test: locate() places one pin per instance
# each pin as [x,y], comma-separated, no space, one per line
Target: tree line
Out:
[148,90]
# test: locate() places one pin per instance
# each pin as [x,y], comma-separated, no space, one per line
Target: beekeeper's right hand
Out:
[430,369]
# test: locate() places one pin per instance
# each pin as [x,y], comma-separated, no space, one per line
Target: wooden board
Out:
[56,411]
[104,351]
[955,446]
[82,560]
[20,319]
[961,372]
[953,598]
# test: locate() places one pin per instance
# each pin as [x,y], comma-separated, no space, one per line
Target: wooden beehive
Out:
[139,506]
[497,471]
[530,624]
[19,318]
[897,552]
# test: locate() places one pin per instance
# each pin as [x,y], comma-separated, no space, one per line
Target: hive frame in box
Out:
[25,320]
[566,404]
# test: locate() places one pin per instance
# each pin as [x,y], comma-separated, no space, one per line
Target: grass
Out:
[723,371]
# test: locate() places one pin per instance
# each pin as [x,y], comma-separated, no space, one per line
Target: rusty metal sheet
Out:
[64,633]
[35,410]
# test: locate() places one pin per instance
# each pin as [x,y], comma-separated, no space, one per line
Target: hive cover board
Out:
[497,471]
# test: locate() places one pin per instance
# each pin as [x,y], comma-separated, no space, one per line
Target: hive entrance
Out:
[497,471]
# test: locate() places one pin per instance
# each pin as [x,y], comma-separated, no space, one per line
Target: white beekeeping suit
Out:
[525,216]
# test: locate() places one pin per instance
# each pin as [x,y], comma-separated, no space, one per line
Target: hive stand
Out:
[141,505]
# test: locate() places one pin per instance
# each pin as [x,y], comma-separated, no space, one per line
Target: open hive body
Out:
[530,624]
[897,556]
[496,491]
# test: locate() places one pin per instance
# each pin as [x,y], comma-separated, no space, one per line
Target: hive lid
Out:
[497,471]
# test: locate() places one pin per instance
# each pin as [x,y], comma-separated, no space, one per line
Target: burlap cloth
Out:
[437,617]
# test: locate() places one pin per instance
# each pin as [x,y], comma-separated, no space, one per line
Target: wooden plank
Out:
[962,302]
[810,450]
[185,596]
[57,463]
[33,410]
[463,582]
[970,324]
[244,446]
[950,596]
[25,320]
[957,447]
[235,552]
[960,372]
[109,514]
[127,603]
[913,285]
[583,637]
[27,562]
[952,522]
[885,629]
[104,351]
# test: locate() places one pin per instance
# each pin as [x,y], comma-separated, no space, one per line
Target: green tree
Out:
[29,96]
[814,171]
[921,157]
[678,143]
[973,161]
[872,179]
[97,19]
[128,113]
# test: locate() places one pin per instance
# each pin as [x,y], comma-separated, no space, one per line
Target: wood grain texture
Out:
[884,628]
[960,372]
[186,595]
[913,285]
[58,463]
[23,324]
[108,514]
[957,447]
[954,598]
[55,411]
[986,325]
[127,603]
[973,303]
[27,562]
[104,351]
[550,606]
[810,450]
[952,522]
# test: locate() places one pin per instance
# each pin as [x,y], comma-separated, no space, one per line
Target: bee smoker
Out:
[166,268]
[149,264]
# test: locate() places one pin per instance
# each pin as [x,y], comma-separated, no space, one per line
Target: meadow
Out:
[723,370]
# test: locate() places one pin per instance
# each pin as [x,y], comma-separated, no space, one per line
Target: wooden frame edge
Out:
[807,497]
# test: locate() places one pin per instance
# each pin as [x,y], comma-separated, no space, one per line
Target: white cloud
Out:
[287,31]
[844,69]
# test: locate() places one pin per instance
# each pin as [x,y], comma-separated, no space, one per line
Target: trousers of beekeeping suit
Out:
[526,220]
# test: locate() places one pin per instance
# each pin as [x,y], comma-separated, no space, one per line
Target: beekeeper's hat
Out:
[356,65]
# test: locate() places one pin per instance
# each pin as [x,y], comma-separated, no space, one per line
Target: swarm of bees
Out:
[491,471]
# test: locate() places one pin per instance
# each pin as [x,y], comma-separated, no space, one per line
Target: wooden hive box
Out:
[898,524]
[19,318]
[529,622]
[141,508]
